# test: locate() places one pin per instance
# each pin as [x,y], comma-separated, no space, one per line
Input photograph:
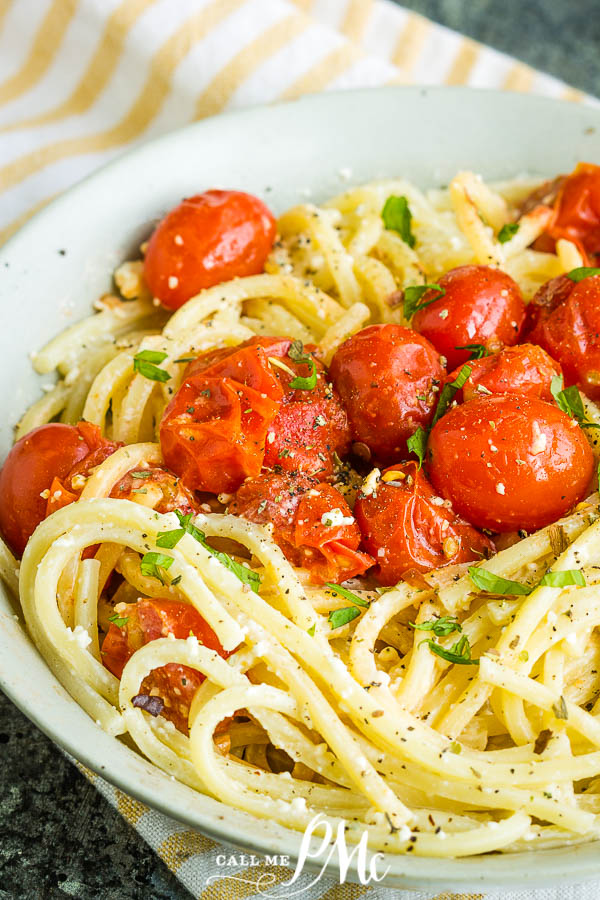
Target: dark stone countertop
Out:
[58,837]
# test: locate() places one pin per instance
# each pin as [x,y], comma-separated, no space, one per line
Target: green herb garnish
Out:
[459,653]
[478,351]
[569,400]
[440,627]
[417,444]
[119,621]
[412,297]
[299,355]
[246,576]
[344,592]
[495,584]
[145,361]
[152,563]
[449,391]
[508,231]
[339,617]
[397,217]
[582,272]
[563,579]
[141,474]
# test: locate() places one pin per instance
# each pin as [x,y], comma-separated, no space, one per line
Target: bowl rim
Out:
[408,871]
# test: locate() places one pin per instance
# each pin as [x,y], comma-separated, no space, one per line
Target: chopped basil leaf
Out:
[185,359]
[412,297]
[311,630]
[495,584]
[152,563]
[563,579]
[246,576]
[397,217]
[348,595]
[144,363]
[440,627]
[582,272]
[168,539]
[459,653]
[449,391]
[141,474]
[176,581]
[339,617]
[569,400]
[417,444]
[118,620]
[299,355]
[508,231]
[478,351]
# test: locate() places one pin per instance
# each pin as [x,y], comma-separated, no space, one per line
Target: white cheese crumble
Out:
[500,489]
[336,517]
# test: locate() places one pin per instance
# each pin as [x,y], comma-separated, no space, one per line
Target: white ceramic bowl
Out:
[54,268]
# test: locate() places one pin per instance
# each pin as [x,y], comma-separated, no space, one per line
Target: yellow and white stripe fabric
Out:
[81,80]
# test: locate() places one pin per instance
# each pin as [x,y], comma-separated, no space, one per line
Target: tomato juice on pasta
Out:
[311,513]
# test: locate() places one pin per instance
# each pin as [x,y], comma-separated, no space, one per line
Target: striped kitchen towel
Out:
[81,80]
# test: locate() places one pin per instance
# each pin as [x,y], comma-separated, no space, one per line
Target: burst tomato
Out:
[209,238]
[266,422]
[526,370]
[564,318]
[576,213]
[146,621]
[406,527]
[387,377]
[509,463]
[312,522]
[33,470]
[481,305]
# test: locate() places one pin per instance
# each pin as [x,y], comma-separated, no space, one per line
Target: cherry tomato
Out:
[387,377]
[156,488]
[526,370]
[48,452]
[565,319]
[509,463]
[481,305]
[146,621]
[312,522]
[209,238]
[406,527]
[213,431]
[577,213]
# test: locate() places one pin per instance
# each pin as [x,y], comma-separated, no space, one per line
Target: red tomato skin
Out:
[295,506]
[565,321]
[213,431]
[387,377]
[47,452]
[148,620]
[508,463]
[577,212]
[481,305]
[209,238]
[405,531]
[525,369]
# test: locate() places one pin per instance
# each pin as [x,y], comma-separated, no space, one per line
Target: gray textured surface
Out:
[58,837]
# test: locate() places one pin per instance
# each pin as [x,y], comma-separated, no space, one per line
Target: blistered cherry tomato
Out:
[146,621]
[312,523]
[407,528]
[565,320]
[26,478]
[576,213]
[209,238]
[213,431]
[387,377]
[526,370]
[481,305]
[509,463]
